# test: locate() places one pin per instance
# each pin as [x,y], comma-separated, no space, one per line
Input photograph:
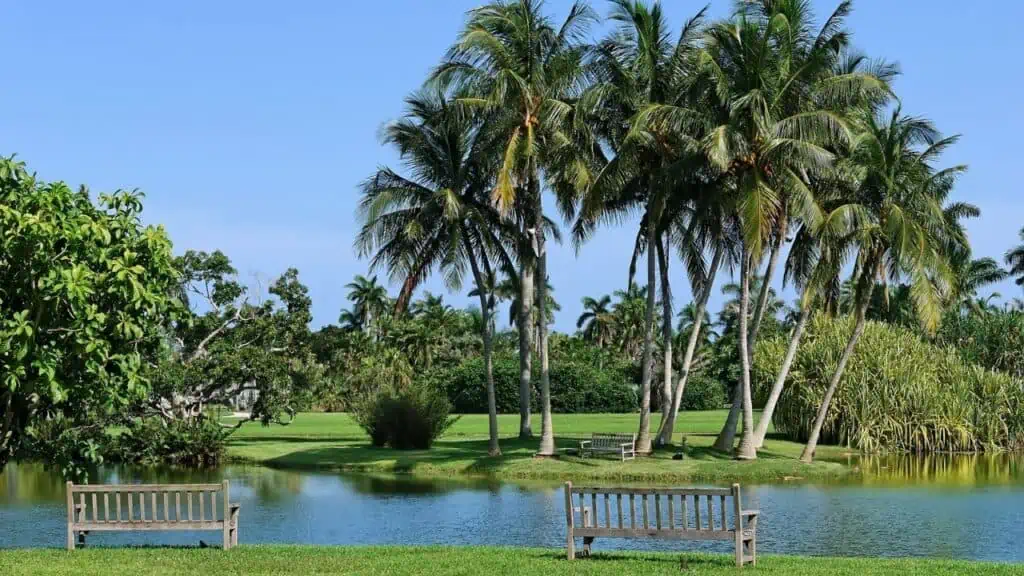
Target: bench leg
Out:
[586,546]
[71,539]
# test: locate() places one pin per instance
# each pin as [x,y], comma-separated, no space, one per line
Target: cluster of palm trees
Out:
[737,142]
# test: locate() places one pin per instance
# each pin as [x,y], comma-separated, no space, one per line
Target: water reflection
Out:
[940,469]
[954,507]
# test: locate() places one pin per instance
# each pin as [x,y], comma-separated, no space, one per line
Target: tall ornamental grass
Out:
[899,393]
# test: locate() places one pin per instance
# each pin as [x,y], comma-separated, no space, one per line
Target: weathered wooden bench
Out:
[620,444]
[671,518]
[165,507]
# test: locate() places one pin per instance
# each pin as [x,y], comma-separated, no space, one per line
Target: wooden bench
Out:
[620,444]
[125,507]
[670,518]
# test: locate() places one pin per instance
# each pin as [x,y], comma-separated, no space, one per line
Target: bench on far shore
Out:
[622,445]
[671,517]
[169,499]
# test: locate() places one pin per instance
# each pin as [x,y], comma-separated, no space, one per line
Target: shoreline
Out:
[447,560]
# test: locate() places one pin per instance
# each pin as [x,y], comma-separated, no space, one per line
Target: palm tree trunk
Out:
[858,329]
[766,283]
[643,440]
[525,322]
[780,380]
[668,426]
[728,434]
[547,433]
[746,449]
[666,335]
[493,449]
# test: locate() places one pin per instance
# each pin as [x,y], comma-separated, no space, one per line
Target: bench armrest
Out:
[235,506]
[627,445]
[584,443]
[748,513]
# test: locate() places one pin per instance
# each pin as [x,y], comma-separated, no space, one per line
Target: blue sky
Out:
[250,124]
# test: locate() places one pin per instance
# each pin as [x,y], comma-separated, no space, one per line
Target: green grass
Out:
[334,442]
[438,561]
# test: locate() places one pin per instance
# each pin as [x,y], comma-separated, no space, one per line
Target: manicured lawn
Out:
[335,442]
[451,561]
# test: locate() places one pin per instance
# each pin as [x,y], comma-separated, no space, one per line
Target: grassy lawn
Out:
[335,442]
[451,561]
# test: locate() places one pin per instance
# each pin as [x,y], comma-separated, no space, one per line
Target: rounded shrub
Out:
[703,393]
[898,393]
[407,419]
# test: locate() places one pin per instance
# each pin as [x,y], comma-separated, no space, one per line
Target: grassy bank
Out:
[334,442]
[450,561]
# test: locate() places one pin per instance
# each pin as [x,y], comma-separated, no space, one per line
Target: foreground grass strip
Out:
[334,442]
[438,561]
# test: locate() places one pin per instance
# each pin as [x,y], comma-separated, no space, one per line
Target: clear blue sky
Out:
[249,124]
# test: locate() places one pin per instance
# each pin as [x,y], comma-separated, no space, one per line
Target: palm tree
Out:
[969,276]
[350,321]
[902,232]
[628,320]
[688,322]
[639,65]
[370,300]
[596,320]
[440,217]
[1015,260]
[781,116]
[521,69]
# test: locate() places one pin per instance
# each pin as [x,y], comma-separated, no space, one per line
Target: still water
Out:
[944,507]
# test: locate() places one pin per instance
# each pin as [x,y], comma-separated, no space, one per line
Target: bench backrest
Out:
[602,440]
[149,506]
[681,513]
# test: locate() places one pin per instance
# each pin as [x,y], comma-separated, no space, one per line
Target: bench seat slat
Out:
[154,526]
[654,533]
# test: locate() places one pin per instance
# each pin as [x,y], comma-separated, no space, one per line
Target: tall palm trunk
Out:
[643,440]
[780,380]
[493,449]
[858,329]
[766,284]
[728,434]
[525,322]
[746,449]
[547,433]
[666,335]
[668,426]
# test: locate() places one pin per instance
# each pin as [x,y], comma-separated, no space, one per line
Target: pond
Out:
[971,508]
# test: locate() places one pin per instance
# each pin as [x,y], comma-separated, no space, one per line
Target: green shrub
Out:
[407,419]
[196,442]
[703,393]
[71,446]
[577,386]
[898,393]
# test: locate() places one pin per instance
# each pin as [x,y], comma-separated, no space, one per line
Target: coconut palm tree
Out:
[639,64]
[901,228]
[775,79]
[628,320]
[1015,260]
[596,320]
[523,71]
[440,216]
